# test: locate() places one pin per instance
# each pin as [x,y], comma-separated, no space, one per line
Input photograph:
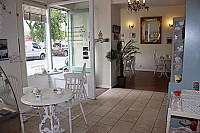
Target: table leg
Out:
[165,69]
[49,81]
[50,114]
[163,72]
[51,117]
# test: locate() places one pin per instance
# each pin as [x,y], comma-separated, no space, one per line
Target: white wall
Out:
[145,60]
[12,30]
[102,22]
[115,20]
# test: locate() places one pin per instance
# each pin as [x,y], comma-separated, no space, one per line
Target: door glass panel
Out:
[59,39]
[79,40]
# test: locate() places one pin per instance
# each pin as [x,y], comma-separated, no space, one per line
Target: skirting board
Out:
[143,70]
[148,70]
[104,86]
[114,84]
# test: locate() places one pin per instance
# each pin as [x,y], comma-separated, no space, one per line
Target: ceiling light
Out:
[136,5]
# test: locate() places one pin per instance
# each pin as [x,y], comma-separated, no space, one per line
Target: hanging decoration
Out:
[136,5]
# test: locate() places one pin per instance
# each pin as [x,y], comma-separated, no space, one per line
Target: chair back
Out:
[155,56]
[74,82]
[17,87]
[129,62]
[84,69]
[84,72]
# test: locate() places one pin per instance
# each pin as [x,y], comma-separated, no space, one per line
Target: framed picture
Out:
[3,49]
[116,36]
[85,55]
[169,40]
[116,29]
[132,35]
[85,49]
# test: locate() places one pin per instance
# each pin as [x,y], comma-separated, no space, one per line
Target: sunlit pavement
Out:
[35,65]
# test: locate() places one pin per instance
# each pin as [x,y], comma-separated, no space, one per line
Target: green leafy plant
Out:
[122,53]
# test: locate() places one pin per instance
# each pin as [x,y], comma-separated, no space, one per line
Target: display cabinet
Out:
[9,113]
[176,110]
[177,49]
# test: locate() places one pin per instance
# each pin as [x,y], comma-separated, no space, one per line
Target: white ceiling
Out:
[123,3]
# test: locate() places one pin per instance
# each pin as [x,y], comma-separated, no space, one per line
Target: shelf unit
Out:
[177,48]
[172,112]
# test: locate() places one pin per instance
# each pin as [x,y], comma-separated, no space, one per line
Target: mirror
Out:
[150,30]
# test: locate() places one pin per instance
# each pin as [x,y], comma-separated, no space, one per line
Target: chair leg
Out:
[83,113]
[22,122]
[84,93]
[39,112]
[70,120]
[155,71]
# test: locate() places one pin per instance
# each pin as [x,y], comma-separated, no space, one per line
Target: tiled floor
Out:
[117,111]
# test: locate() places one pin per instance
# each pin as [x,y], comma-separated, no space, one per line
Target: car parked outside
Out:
[60,49]
[33,50]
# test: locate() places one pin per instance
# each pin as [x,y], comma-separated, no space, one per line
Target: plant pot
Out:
[121,81]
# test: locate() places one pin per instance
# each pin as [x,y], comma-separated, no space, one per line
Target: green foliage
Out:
[122,53]
[37,29]
[112,55]
[57,18]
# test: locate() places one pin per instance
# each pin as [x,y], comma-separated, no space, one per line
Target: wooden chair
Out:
[84,82]
[23,109]
[74,82]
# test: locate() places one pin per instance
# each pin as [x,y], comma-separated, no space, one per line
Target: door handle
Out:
[32,49]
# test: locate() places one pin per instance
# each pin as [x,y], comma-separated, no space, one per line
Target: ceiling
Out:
[123,3]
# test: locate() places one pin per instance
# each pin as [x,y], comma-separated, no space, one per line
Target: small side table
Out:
[49,73]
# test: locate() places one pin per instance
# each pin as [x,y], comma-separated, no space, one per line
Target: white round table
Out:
[49,100]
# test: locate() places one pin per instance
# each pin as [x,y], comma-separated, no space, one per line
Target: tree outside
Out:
[37,29]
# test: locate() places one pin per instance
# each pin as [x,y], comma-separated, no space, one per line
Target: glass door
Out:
[79,40]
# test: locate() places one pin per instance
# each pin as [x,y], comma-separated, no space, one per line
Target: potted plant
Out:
[120,54]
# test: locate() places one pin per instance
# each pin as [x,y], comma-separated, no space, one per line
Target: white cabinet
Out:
[174,111]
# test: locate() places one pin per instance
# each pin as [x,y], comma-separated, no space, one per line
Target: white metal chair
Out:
[74,82]
[157,63]
[129,66]
[22,107]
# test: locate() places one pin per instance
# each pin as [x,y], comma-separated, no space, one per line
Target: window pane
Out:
[59,43]
[35,46]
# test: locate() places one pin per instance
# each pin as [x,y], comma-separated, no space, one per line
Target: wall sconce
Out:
[170,25]
[131,26]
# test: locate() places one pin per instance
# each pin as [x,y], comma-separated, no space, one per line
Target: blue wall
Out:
[191,59]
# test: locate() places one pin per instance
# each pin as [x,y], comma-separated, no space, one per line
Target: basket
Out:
[190,101]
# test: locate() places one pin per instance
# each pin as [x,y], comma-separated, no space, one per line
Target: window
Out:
[35,45]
